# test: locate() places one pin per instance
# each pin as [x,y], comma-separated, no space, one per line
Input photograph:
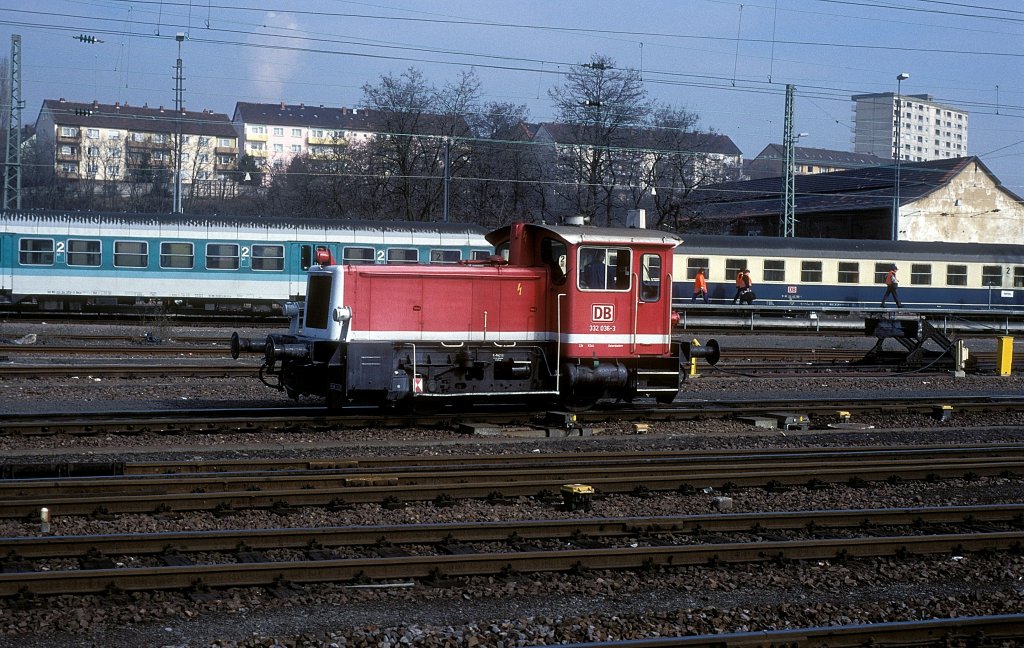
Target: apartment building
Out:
[275,133]
[927,130]
[118,142]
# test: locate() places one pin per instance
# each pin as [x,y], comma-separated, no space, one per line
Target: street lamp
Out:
[900,78]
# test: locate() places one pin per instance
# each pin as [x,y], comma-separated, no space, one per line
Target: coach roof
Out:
[576,235]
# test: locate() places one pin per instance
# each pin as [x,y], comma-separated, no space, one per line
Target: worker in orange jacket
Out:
[891,284]
[743,284]
[700,286]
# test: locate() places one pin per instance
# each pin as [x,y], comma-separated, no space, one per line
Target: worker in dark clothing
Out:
[891,284]
[593,271]
[700,286]
[743,285]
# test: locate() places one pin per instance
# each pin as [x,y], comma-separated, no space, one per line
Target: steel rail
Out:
[938,633]
[518,531]
[63,350]
[267,574]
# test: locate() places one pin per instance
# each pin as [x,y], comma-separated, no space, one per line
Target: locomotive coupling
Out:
[240,345]
[709,351]
[284,347]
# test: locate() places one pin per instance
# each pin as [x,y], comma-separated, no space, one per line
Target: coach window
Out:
[1018,276]
[882,271]
[693,264]
[810,271]
[35,252]
[84,252]
[992,275]
[267,257]
[650,278]
[603,268]
[921,274]
[849,272]
[481,255]
[222,256]
[357,256]
[448,257]
[956,275]
[403,255]
[131,254]
[774,270]
[177,255]
[733,267]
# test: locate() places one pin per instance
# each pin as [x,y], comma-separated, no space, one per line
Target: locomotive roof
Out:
[8,218]
[847,248]
[588,234]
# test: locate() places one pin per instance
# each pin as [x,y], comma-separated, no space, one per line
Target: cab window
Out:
[603,268]
[650,278]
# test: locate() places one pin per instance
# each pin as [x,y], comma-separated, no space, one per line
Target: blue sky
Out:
[728,61]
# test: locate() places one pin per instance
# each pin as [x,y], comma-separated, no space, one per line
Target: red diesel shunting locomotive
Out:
[569,313]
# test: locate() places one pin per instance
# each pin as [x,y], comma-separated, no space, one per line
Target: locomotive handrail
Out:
[558,347]
[671,313]
[636,309]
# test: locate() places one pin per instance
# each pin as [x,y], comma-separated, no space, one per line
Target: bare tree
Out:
[503,176]
[600,104]
[420,131]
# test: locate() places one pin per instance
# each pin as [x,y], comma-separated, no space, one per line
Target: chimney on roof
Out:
[161,108]
[62,100]
[145,105]
[302,106]
[282,105]
[117,105]
[95,103]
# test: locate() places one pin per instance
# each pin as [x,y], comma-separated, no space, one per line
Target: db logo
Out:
[603,313]
[791,290]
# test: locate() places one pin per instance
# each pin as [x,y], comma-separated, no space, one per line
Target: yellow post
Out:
[1004,355]
[693,362]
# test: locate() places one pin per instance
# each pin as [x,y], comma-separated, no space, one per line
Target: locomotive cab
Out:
[610,305]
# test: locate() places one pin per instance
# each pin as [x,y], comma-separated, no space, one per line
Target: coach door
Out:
[305,255]
[6,263]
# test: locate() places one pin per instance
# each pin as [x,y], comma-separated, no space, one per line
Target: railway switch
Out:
[577,496]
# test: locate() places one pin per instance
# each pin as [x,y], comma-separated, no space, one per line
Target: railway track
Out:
[469,478]
[222,421]
[459,550]
[1005,630]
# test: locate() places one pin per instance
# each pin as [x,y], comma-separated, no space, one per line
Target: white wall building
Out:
[273,134]
[927,130]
